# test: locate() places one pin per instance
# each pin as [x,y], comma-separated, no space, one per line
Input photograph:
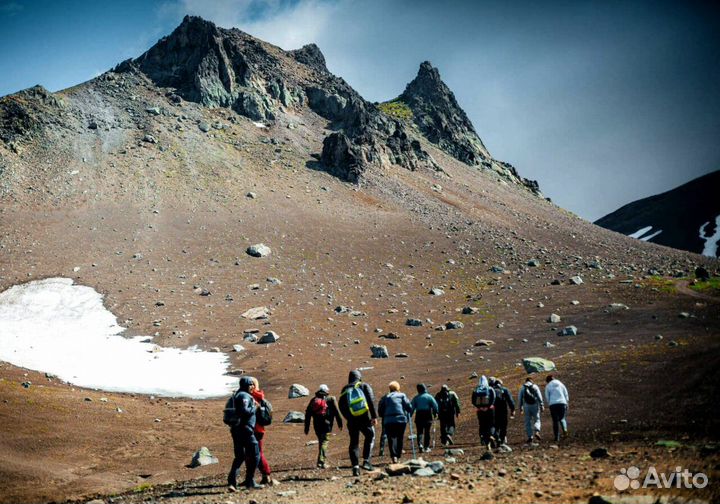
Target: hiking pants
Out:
[395,433]
[246,449]
[423,423]
[447,430]
[323,438]
[558,413]
[501,425]
[368,431]
[263,465]
[532,419]
[486,424]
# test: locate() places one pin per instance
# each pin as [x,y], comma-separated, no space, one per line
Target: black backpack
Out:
[230,413]
[529,395]
[263,414]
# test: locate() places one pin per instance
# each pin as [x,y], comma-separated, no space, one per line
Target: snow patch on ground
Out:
[260,125]
[711,242]
[640,232]
[54,326]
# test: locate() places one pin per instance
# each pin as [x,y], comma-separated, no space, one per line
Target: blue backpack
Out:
[357,403]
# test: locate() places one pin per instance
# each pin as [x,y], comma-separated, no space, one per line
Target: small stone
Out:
[576,280]
[203,457]
[554,318]
[599,453]
[294,417]
[568,331]
[297,390]
[268,337]
[259,250]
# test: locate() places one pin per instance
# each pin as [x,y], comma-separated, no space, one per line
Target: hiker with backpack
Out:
[323,411]
[558,399]
[531,404]
[426,409]
[483,398]
[263,465]
[394,409]
[357,405]
[240,415]
[503,402]
[448,410]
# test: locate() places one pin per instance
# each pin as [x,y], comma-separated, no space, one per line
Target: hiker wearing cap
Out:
[483,398]
[357,405]
[558,399]
[394,409]
[448,410]
[425,409]
[263,465]
[245,444]
[504,404]
[323,411]
[530,402]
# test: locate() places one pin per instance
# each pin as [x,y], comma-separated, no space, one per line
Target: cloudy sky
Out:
[602,102]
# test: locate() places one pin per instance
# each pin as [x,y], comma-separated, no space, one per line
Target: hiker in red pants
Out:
[263,466]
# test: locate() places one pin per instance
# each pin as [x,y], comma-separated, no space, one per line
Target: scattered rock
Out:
[257,313]
[268,337]
[297,390]
[568,331]
[599,453]
[203,457]
[424,472]
[533,263]
[238,348]
[470,310]
[617,307]
[576,280]
[414,322]
[398,469]
[538,365]
[379,352]
[684,315]
[204,127]
[294,417]
[554,318]
[484,342]
[258,250]
[454,324]
[436,291]
[149,139]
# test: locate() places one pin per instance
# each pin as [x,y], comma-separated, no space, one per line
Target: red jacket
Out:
[258,395]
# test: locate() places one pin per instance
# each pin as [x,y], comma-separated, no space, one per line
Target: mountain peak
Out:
[437,113]
[310,55]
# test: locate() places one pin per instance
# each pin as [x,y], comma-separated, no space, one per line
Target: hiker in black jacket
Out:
[448,410]
[503,402]
[323,411]
[357,405]
[245,444]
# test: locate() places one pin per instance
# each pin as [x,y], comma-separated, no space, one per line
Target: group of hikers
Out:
[247,412]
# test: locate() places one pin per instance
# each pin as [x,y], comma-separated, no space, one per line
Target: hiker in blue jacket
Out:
[357,405]
[394,409]
[245,444]
[426,409]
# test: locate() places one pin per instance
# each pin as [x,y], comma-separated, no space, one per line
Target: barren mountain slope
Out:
[138,183]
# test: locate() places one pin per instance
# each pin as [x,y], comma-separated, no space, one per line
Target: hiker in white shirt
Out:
[558,399]
[531,404]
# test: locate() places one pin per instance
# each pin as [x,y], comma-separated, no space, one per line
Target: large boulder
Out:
[297,390]
[203,457]
[379,352]
[268,337]
[259,250]
[294,417]
[538,365]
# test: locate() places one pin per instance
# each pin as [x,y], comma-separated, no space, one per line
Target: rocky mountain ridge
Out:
[202,63]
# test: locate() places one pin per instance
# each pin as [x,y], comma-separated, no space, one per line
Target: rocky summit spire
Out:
[440,118]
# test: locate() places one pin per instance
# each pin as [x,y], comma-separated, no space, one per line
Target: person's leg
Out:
[383,440]
[501,424]
[263,465]
[323,442]
[426,439]
[239,457]
[443,432]
[400,437]
[563,419]
[528,422]
[252,456]
[354,448]
[555,415]
[450,432]
[418,433]
[391,430]
[369,435]
[536,421]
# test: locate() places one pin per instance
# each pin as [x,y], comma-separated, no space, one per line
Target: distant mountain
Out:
[686,218]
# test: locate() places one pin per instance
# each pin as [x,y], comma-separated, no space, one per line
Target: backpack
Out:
[529,395]
[318,407]
[263,414]
[230,415]
[481,397]
[357,403]
[444,403]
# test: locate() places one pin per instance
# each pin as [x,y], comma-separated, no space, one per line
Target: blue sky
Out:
[603,102]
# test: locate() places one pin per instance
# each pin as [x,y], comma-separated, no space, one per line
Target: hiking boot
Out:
[529,440]
[538,436]
[394,460]
[321,465]
[356,470]
[265,480]
[232,488]
[367,466]
[428,450]
[251,485]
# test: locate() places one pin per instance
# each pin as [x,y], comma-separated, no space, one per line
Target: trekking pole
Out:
[433,445]
[412,438]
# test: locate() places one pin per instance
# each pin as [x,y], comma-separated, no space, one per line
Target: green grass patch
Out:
[397,109]
[142,488]
[712,286]
[662,284]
